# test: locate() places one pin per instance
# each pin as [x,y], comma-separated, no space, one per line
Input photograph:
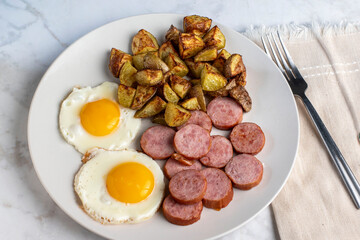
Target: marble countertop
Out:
[34,33]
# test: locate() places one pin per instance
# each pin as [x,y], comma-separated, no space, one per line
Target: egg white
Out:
[76,135]
[90,185]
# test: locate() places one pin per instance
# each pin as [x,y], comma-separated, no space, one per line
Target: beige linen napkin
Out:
[314,204]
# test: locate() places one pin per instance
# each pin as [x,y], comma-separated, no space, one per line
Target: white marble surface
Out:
[34,33]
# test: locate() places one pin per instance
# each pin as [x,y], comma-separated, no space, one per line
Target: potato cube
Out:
[165,49]
[176,65]
[191,104]
[149,77]
[196,91]
[180,85]
[240,94]
[126,95]
[195,68]
[219,62]
[151,108]
[159,119]
[233,66]
[144,42]
[169,94]
[142,95]
[206,55]
[173,35]
[211,79]
[176,115]
[196,24]
[117,60]
[138,60]
[153,62]
[190,45]
[126,75]
[215,38]
[240,79]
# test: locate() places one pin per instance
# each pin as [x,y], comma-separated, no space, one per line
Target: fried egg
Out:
[120,186]
[91,117]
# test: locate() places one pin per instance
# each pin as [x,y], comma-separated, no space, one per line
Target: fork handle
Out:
[343,168]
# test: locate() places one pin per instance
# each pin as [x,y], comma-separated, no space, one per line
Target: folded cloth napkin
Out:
[314,203]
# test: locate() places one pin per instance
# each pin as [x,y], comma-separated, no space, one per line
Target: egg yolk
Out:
[100,118]
[130,182]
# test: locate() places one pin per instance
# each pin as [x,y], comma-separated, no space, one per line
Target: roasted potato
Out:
[169,94]
[165,49]
[191,104]
[206,55]
[196,24]
[117,60]
[196,91]
[138,60]
[212,79]
[215,38]
[240,94]
[195,81]
[176,115]
[223,92]
[194,68]
[219,62]
[159,119]
[180,85]
[233,66]
[240,79]
[149,77]
[190,45]
[144,42]
[153,62]
[176,65]
[151,108]
[126,75]
[173,35]
[142,95]
[126,95]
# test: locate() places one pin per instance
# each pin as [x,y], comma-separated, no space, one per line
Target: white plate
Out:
[84,63]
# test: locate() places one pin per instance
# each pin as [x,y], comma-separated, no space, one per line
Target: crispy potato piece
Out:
[233,66]
[138,60]
[180,85]
[223,92]
[169,94]
[142,95]
[176,65]
[144,42]
[206,55]
[191,104]
[165,49]
[196,91]
[126,95]
[117,60]
[240,94]
[240,79]
[215,38]
[159,119]
[190,45]
[149,77]
[151,108]
[196,24]
[153,62]
[173,35]
[219,62]
[195,81]
[211,79]
[195,68]
[176,115]
[126,75]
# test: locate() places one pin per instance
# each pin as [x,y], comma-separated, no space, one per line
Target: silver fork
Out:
[298,87]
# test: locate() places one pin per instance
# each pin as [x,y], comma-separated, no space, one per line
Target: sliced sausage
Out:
[188,186]
[181,214]
[220,153]
[192,141]
[219,191]
[224,112]
[157,142]
[245,171]
[181,159]
[247,138]
[199,118]
[172,167]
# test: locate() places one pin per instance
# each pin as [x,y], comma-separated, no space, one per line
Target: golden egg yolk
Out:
[100,118]
[130,182]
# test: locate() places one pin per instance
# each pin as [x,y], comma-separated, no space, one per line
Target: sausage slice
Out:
[172,167]
[181,214]
[188,186]
[157,142]
[220,153]
[247,138]
[245,171]
[219,191]
[199,118]
[224,112]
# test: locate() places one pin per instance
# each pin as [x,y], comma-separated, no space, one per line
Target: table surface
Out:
[34,33]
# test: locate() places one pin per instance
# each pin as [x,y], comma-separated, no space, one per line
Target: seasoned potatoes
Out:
[196,91]
[142,95]
[180,85]
[219,62]
[165,49]
[173,35]
[215,38]
[211,78]
[149,77]
[126,95]
[176,115]
[191,104]
[196,24]
[233,66]
[143,42]
[169,94]
[126,75]
[190,45]
[117,60]
[176,65]
[153,107]
[206,55]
